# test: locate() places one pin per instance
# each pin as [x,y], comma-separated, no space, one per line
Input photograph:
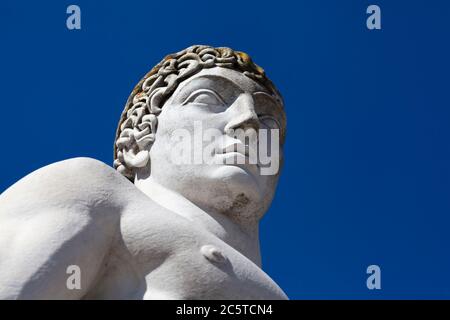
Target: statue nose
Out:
[243,114]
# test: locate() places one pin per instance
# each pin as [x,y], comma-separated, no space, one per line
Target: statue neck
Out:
[244,239]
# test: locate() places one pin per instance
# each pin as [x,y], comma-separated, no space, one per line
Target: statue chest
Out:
[160,257]
[209,270]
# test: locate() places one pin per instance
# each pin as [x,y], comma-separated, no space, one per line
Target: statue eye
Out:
[268,122]
[204,97]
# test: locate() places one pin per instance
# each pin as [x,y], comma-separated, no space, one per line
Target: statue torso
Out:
[126,244]
[160,255]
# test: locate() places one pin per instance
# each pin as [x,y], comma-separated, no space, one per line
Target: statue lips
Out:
[238,147]
[240,153]
[235,149]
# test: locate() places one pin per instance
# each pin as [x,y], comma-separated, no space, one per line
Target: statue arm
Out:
[53,223]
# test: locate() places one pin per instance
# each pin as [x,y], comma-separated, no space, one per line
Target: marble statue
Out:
[149,228]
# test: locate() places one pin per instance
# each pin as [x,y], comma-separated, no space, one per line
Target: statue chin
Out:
[239,182]
[226,189]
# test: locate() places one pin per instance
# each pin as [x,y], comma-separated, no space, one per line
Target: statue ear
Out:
[138,134]
[136,160]
[133,155]
[140,139]
[132,149]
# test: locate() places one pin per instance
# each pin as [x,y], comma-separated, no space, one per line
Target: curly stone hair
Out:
[137,126]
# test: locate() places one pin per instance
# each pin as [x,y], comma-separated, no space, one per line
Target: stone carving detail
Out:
[187,231]
[212,254]
[136,130]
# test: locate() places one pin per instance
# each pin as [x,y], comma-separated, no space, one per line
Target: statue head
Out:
[202,88]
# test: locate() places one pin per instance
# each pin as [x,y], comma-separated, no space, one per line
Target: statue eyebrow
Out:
[215,83]
[217,86]
[200,91]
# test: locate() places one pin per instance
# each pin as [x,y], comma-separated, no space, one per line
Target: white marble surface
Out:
[177,232]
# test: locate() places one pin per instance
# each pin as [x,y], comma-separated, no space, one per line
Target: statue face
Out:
[222,100]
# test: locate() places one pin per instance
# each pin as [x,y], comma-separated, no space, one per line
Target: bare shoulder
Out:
[66,213]
[77,180]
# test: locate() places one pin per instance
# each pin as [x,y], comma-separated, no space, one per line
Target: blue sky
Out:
[367,173]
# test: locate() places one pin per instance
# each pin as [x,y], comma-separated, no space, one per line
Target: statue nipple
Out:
[212,254]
